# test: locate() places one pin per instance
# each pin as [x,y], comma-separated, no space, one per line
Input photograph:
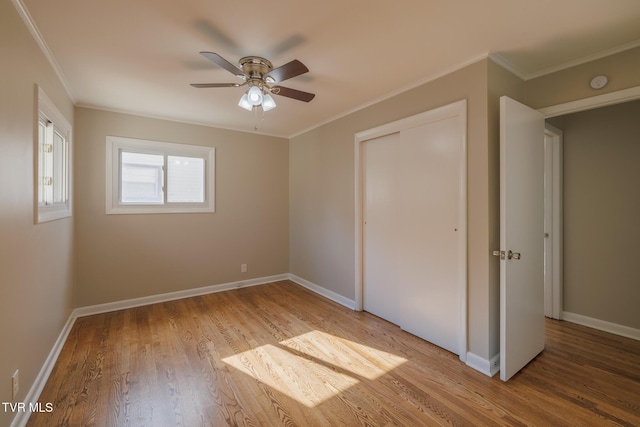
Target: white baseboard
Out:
[20,420]
[602,325]
[349,303]
[171,296]
[488,367]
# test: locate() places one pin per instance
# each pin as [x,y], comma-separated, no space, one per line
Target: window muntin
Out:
[158,177]
[53,181]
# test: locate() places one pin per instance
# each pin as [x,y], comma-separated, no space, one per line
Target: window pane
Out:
[141,178]
[47,166]
[59,169]
[185,179]
[41,141]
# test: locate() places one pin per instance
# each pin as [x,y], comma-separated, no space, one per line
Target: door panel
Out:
[380,238]
[413,253]
[429,259]
[521,232]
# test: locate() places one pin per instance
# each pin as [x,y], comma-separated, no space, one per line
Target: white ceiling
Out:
[139,56]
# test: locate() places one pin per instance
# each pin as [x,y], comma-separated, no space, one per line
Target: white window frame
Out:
[115,145]
[54,122]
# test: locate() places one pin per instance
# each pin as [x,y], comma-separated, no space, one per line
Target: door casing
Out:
[553,296]
[553,222]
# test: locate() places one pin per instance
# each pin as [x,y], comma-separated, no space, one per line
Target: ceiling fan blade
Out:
[219,60]
[204,85]
[292,93]
[287,71]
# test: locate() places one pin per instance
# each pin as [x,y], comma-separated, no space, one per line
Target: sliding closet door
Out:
[381,239]
[412,247]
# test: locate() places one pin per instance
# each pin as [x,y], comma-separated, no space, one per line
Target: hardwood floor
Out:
[278,354]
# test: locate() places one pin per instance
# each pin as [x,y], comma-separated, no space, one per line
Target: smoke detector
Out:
[598,82]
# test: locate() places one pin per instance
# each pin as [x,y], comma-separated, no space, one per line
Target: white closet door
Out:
[381,237]
[411,238]
[429,270]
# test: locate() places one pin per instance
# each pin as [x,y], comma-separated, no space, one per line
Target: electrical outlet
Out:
[15,384]
[243,268]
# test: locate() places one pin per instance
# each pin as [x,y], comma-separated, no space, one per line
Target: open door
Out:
[521,236]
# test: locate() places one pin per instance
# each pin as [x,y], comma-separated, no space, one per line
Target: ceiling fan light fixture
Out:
[268,103]
[244,103]
[254,95]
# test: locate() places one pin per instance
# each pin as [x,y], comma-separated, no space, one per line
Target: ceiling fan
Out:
[259,74]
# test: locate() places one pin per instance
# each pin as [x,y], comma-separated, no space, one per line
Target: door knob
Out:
[513,255]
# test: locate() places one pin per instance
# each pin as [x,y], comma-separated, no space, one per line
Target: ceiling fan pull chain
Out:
[255,118]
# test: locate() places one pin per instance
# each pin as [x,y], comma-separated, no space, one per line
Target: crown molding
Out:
[37,36]
[501,60]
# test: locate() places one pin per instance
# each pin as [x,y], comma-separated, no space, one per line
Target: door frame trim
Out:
[597,101]
[584,104]
[455,109]
[553,222]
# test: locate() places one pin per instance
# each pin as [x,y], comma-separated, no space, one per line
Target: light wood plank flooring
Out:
[279,355]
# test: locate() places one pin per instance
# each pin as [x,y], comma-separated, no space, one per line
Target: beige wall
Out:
[573,83]
[36,261]
[322,205]
[601,212]
[120,257]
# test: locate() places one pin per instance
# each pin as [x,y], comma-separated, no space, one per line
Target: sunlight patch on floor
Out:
[314,367]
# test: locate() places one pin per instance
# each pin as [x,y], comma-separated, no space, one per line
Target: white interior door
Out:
[521,236]
[414,248]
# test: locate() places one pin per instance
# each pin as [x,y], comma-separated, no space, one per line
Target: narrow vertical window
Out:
[53,190]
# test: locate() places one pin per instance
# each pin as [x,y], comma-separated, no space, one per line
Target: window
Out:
[53,183]
[158,177]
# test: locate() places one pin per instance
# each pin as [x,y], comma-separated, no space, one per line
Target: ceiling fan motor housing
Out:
[256,68]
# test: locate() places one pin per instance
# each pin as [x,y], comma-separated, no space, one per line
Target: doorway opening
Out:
[554,306]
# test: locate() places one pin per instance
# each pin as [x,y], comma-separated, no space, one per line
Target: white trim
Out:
[602,325]
[35,33]
[584,59]
[488,367]
[504,63]
[592,102]
[335,297]
[171,296]
[20,420]
[501,60]
[553,166]
[455,109]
